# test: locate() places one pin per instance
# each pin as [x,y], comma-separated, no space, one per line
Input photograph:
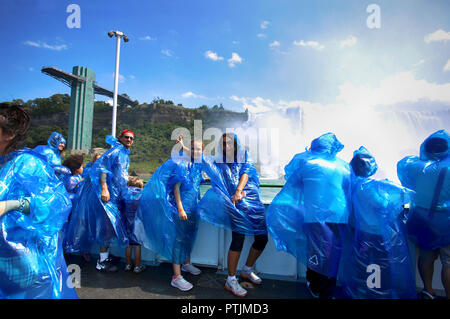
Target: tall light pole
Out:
[118,35]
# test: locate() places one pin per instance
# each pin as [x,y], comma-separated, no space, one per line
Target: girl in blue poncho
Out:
[167,220]
[307,217]
[429,224]
[56,145]
[376,262]
[97,214]
[33,208]
[234,203]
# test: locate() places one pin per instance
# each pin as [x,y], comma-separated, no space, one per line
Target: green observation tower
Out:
[83,88]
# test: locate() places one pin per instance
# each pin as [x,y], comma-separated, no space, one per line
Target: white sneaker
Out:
[251,276]
[181,283]
[191,269]
[128,267]
[235,288]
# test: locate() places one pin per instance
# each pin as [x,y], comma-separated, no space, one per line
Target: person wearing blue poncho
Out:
[33,208]
[429,224]
[167,221]
[89,165]
[71,182]
[234,203]
[376,262]
[131,202]
[56,145]
[97,213]
[307,216]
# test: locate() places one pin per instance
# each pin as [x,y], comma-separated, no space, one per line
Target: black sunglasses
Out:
[128,137]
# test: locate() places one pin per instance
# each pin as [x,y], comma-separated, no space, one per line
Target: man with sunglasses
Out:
[97,217]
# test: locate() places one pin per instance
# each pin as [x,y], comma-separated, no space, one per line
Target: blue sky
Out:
[285,52]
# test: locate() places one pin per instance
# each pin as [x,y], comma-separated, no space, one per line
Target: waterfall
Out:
[388,135]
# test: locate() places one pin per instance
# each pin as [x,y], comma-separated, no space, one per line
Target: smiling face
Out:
[197,149]
[228,146]
[127,139]
[61,146]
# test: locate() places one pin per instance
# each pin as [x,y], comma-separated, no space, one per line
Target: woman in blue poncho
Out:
[33,208]
[429,224]
[307,217]
[56,145]
[97,213]
[234,203]
[376,262]
[167,221]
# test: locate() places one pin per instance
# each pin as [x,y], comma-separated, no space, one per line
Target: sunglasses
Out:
[128,137]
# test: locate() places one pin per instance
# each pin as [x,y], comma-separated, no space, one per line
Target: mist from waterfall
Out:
[389,135]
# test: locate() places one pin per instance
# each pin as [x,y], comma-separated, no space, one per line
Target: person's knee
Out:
[444,254]
[428,256]
[260,242]
[237,242]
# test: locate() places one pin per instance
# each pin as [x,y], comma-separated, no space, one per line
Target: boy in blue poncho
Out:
[56,145]
[307,217]
[234,203]
[167,220]
[429,224]
[375,261]
[131,203]
[71,182]
[97,214]
[33,208]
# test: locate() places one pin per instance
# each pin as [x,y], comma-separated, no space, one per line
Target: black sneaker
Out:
[113,259]
[106,266]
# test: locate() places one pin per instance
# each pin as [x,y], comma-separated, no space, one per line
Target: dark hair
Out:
[232,136]
[74,162]
[14,120]
[436,145]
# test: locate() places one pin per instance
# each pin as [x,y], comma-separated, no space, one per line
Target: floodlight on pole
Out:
[118,35]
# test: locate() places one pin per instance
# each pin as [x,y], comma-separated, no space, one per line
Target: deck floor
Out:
[154,283]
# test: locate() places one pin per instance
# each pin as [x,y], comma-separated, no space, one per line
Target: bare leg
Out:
[426,270]
[128,255]
[187,261]
[445,277]
[137,255]
[252,257]
[176,270]
[233,258]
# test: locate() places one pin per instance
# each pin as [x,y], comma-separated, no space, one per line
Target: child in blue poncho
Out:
[33,208]
[131,203]
[56,145]
[308,215]
[376,263]
[429,224]
[167,220]
[71,182]
[234,203]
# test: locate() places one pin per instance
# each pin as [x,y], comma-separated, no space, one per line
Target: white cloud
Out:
[39,44]
[274,44]
[313,44]
[254,105]
[264,24]
[213,56]
[167,52]
[235,58]
[438,35]
[235,42]
[261,35]
[447,66]
[190,94]
[132,77]
[394,89]
[348,42]
[147,38]
[422,61]
[121,78]
[31,69]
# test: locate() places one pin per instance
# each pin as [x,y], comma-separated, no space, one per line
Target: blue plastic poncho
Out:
[131,204]
[51,152]
[376,237]
[71,182]
[157,225]
[31,257]
[306,217]
[216,207]
[92,220]
[429,176]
